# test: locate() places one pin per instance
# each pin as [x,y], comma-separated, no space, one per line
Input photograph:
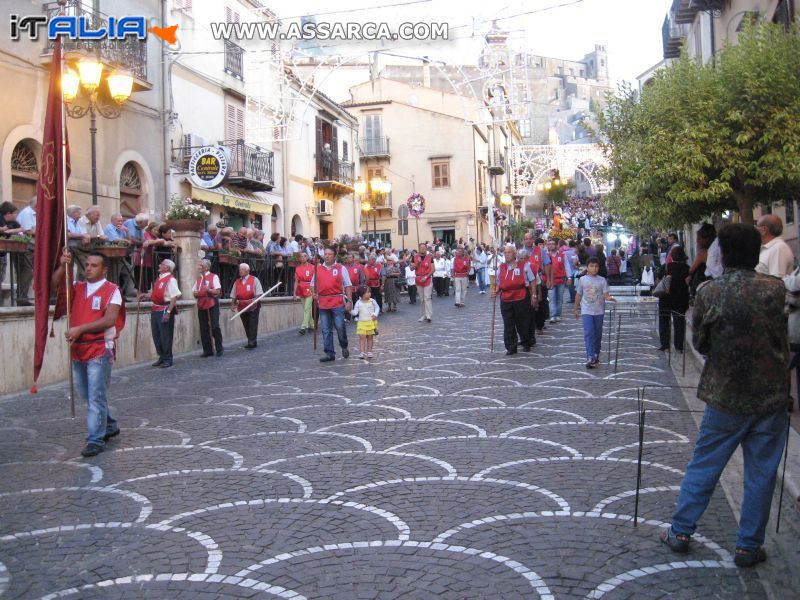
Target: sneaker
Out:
[749,558]
[345,353]
[362,356]
[427,320]
[595,361]
[553,320]
[91,450]
[370,355]
[590,365]
[327,358]
[302,331]
[421,319]
[677,542]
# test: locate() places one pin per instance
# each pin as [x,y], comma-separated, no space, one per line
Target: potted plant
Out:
[185,215]
[229,257]
[293,259]
[15,243]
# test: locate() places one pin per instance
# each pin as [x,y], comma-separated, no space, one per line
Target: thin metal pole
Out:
[783,476]
[494,318]
[669,340]
[138,302]
[619,335]
[639,462]
[683,368]
[93,132]
[611,314]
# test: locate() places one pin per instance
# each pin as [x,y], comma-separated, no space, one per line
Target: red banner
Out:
[50,224]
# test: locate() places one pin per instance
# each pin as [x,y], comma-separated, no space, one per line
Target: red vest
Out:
[303,275]
[535,259]
[157,296]
[559,266]
[511,282]
[461,266]
[330,286]
[204,285]
[245,290]
[355,271]
[373,273]
[424,270]
[87,310]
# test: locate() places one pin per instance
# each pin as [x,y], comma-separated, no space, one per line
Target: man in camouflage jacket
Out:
[738,322]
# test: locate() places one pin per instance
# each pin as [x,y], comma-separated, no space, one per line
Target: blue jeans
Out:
[92,379]
[592,335]
[762,438]
[556,295]
[480,277]
[330,318]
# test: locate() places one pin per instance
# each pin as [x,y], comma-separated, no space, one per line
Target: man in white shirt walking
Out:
[776,257]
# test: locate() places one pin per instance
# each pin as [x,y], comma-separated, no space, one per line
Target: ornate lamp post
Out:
[89,78]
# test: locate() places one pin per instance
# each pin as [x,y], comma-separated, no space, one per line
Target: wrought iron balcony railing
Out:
[672,34]
[334,170]
[128,53]
[251,166]
[497,163]
[373,147]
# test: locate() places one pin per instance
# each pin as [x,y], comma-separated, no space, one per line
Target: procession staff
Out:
[461,267]
[422,265]
[207,290]
[97,316]
[515,280]
[373,272]
[303,276]
[333,292]
[243,292]
[164,296]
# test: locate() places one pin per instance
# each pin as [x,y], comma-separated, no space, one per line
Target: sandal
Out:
[749,558]
[677,542]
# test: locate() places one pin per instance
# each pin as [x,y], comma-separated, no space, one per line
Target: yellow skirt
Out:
[366,327]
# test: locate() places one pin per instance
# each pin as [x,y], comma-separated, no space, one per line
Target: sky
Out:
[630,29]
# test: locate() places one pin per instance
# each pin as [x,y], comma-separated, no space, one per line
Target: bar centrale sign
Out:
[209,166]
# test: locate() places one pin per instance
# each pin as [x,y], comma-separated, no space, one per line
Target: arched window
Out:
[274,219]
[130,190]
[297,225]
[24,172]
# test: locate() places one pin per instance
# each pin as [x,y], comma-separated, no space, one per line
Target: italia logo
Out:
[80,27]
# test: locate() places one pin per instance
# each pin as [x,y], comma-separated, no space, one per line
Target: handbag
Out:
[662,289]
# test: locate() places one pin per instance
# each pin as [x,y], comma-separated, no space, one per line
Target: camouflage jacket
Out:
[738,322]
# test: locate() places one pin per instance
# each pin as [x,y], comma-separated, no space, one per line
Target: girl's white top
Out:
[364,311]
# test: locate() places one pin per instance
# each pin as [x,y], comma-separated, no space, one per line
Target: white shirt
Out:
[116,298]
[27,219]
[172,291]
[411,277]
[776,258]
[714,266]
[365,311]
[440,267]
[294,247]
[215,285]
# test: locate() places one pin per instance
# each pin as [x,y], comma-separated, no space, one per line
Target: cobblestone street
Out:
[436,470]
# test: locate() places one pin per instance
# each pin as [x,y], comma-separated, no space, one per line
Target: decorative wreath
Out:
[416,204]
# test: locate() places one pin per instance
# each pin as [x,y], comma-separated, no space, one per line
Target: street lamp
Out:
[89,77]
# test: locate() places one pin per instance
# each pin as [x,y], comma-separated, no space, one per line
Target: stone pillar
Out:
[189,243]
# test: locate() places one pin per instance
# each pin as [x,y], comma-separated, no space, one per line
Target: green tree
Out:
[702,139]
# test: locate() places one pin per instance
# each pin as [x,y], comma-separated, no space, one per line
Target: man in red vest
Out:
[207,290]
[540,265]
[461,266]
[516,285]
[557,280]
[358,278]
[303,276]
[245,290]
[97,317]
[164,296]
[333,292]
[422,265]
[373,271]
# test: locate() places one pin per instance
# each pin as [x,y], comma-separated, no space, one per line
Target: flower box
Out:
[186,225]
[7,245]
[229,259]
[112,251]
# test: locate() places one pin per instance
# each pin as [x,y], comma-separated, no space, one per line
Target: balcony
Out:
[129,53]
[251,166]
[672,35]
[685,11]
[374,147]
[497,163]
[234,56]
[335,176]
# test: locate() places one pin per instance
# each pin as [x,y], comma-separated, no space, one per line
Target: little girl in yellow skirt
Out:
[366,313]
